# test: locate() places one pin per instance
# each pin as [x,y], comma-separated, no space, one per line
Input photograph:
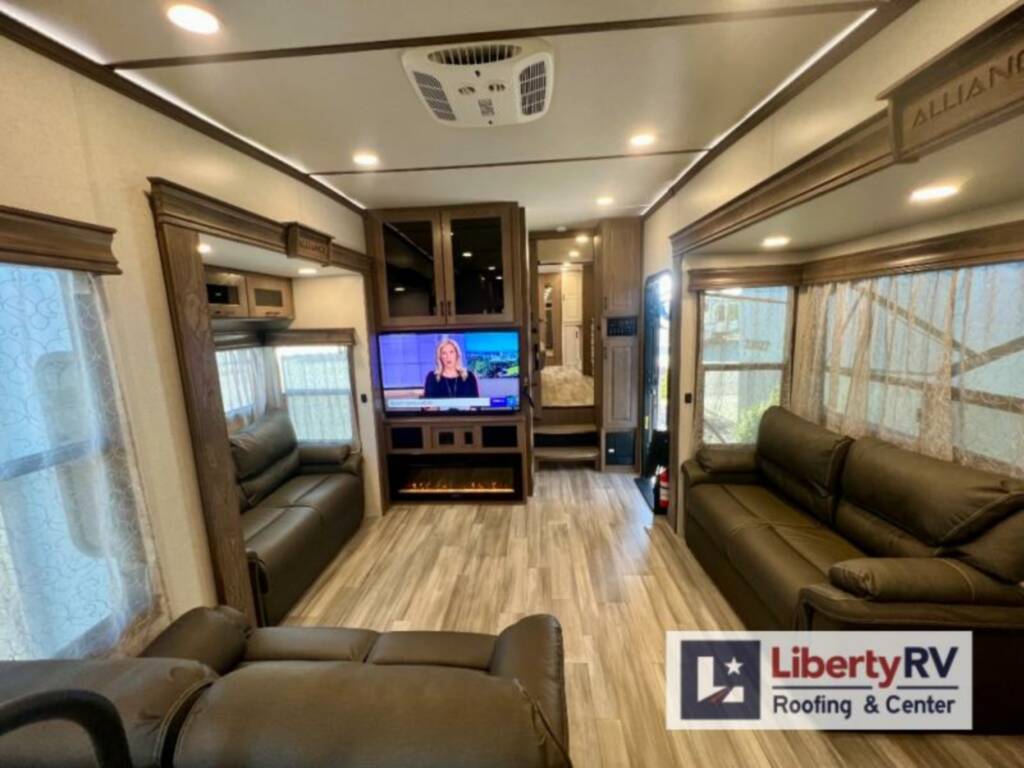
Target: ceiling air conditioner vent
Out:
[489,84]
[487,53]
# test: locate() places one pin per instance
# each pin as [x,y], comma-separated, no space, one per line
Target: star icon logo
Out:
[733,666]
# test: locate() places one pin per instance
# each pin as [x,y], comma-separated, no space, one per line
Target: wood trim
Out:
[237,339]
[622,25]
[883,16]
[977,82]
[675,396]
[38,240]
[971,248]
[859,152]
[51,49]
[302,242]
[746,277]
[305,336]
[347,258]
[509,163]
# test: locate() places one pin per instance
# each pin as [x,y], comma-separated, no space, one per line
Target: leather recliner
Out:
[300,503]
[809,529]
[213,692]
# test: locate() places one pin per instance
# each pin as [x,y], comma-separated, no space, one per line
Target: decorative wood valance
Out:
[38,240]
[963,90]
[987,245]
[306,243]
[310,336]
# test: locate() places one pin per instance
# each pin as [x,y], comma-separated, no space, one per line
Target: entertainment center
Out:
[449,365]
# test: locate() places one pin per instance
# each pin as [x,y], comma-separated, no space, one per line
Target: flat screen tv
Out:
[426,372]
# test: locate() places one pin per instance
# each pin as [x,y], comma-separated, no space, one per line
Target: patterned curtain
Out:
[316,388]
[78,572]
[932,361]
[243,378]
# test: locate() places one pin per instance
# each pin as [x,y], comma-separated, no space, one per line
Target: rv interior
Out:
[384,383]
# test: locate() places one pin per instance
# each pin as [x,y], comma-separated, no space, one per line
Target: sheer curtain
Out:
[245,385]
[316,388]
[78,574]
[933,361]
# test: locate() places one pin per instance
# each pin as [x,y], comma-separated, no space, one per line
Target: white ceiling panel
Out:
[118,30]
[988,168]
[554,195]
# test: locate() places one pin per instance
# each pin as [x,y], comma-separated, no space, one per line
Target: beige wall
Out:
[72,148]
[337,302]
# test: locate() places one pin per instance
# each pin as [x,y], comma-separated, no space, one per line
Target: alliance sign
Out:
[819,680]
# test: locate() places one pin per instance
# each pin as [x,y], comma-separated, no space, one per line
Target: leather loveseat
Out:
[211,692]
[813,530]
[300,503]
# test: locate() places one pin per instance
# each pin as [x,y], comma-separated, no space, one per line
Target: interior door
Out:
[656,338]
[572,347]
[479,280]
[411,284]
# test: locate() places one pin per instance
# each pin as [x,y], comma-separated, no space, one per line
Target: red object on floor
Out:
[662,489]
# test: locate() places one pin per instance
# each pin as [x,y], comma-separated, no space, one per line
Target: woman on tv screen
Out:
[450,377]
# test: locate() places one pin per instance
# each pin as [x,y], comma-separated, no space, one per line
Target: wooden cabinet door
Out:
[621,266]
[619,382]
[409,261]
[479,277]
[269,296]
[226,293]
[572,297]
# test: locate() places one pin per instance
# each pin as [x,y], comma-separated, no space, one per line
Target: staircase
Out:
[566,443]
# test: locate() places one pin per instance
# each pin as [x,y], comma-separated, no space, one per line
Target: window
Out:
[932,361]
[77,576]
[316,386]
[243,385]
[744,358]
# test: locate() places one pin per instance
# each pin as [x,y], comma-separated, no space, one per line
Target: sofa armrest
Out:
[826,607]
[736,465]
[531,651]
[214,636]
[323,458]
[922,580]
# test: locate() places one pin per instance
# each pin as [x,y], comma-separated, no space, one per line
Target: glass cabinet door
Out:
[479,276]
[412,285]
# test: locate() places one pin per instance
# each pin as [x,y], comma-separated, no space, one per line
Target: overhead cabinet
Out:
[444,266]
[248,296]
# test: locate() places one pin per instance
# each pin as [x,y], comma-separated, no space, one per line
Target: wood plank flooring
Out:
[585,549]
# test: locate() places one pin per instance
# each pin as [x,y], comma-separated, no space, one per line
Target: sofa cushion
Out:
[724,509]
[215,637]
[922,580]
[338,498]
[152,696]
[445,649]
[262,443]
[877,536]
[309,644]
[366,715]
[801,460]
[939,502]
[998,551]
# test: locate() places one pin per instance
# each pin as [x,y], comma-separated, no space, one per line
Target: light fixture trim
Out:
[365,159]
[193,19]
[775,241]
[642,139]
[934,192]
[605,200]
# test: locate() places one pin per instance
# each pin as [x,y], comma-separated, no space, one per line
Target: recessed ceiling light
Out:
[581,239]
[307,270]
[642,140]
[605,200]
[498,277]
[366,159]
[467,254]
[560,229]
[399,289]
[775,241]
[193,19]
[204,248]
[930,194]
[491,268]
[574,254]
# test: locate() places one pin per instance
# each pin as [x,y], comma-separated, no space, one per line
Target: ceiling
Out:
[686,84]
[560,250]
[988,167]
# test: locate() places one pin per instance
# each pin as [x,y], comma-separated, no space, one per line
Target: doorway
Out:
[654,415]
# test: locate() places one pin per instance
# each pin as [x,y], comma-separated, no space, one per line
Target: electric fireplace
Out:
[456,477]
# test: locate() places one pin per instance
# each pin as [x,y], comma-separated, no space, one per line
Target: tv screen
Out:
[467,371]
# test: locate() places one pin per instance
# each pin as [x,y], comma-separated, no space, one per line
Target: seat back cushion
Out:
[329,714]
[265,454]
[937,502]
[801,460]
[999,551]
[215,637]
[152,696]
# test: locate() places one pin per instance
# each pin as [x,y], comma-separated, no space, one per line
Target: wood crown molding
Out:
[977,82]
[883,16]
[303,336]
[302,242]
[859,152]
[39,240]
[35,41]
[995,244]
